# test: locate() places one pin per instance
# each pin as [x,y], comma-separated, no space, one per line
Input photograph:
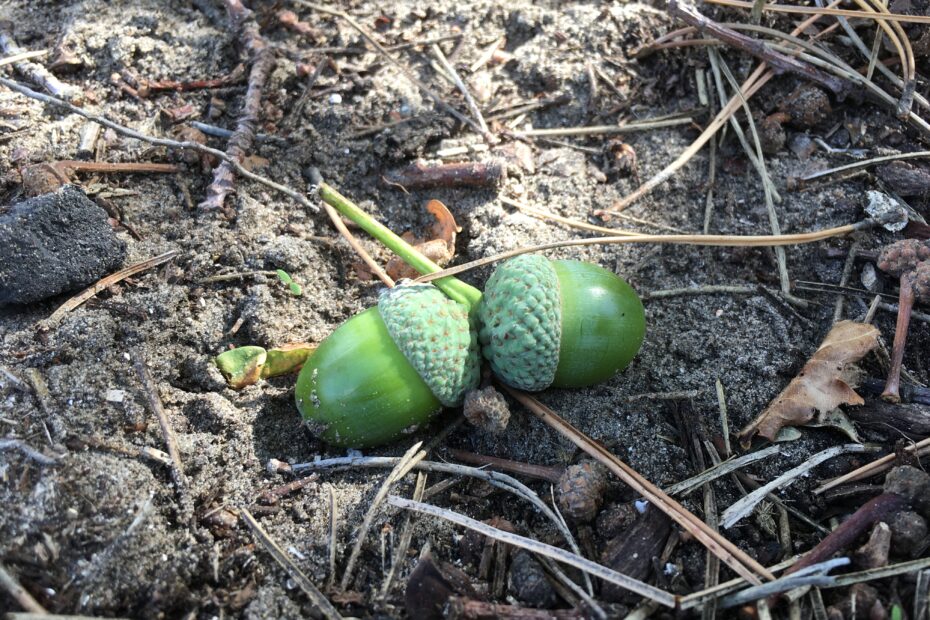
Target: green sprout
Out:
[295,289]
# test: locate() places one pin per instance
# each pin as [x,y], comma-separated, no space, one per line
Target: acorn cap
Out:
[521,322]
[434,334]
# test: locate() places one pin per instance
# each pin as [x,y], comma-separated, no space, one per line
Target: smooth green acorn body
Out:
[387,370]
[558,323]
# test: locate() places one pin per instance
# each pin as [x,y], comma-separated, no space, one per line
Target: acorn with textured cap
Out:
[387,370]
[561,323]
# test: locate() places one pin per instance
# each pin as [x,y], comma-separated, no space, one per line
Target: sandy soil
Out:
[67,530]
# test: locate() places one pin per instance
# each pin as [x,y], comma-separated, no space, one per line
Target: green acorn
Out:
[387,370]
[562,323]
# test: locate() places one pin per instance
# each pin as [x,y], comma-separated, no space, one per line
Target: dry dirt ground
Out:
[67,530]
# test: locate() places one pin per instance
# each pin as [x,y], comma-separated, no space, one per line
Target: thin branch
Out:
[604,129]
[359,249]
[730,554]
[561,555]
[403,466]
[240,143]
[687,486]
[106,282]
[712,240]
[744,506]
[469,100]
[873,468]
[32,71]
[19,594]
[281,557]
[14,58]
[165,142]
[820,12]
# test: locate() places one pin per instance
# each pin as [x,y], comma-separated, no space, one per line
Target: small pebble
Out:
[115,396]
[335,99]
[528,582]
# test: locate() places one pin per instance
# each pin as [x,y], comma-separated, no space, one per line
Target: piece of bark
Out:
[421,175]
[911,419]
[262,61]
[632,552]
[904,178]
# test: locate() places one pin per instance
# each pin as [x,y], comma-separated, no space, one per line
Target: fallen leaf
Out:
[440,249]
[821,386]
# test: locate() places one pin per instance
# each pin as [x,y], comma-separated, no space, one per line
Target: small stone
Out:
[869,278]
[887,211]
[908,529]
[528,582]
[115,396]
[335,99]
[912,484]
[55,243]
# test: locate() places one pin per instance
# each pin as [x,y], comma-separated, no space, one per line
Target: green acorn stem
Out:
[454,288]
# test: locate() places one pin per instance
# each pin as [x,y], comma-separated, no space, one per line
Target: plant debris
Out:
[821,386]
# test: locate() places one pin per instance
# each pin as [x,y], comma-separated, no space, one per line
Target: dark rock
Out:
[55,243]
[912,484]
[908,529]
[528,582]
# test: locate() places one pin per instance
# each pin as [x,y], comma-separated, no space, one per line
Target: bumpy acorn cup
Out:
[562,323]
[387,370]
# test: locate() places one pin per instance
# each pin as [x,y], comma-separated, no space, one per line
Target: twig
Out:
[333,531]
[820,12]
[34,72]
[403,69]
[858,165]
[545,215]
[281,557]
[561,555]
[172,144]
[873,468]
[713,240]
[152,397]
[497,479]
[420,175]
[687,486]
[604,129]
[779,63]
[27,450]
[849,530]
[359,249]
[14,58]
[881,573]
[403,466]
[399,554]
[262,60]
[905,307]
[718,64]
[153,454]
[811,575]
[18,593]
[469,100]
[105,283]
[707,289]
[745,505]
[729,553]
[219,132]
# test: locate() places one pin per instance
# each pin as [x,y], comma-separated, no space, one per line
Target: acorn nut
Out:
[387,370]
[563,323]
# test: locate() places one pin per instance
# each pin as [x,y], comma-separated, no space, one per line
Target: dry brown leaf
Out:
[440,249]
[821,386]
